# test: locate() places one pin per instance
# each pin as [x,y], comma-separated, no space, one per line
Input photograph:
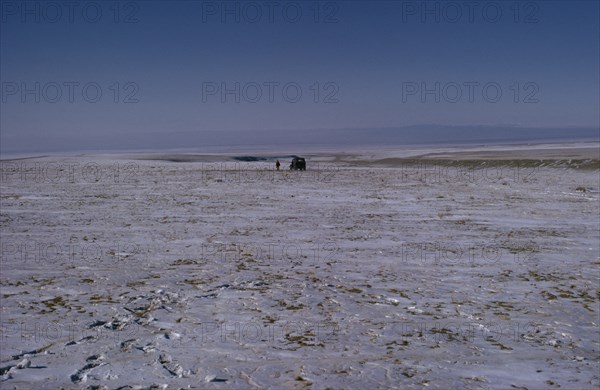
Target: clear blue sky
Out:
[368,60]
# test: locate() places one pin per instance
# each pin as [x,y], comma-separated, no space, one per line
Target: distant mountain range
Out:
[206,140]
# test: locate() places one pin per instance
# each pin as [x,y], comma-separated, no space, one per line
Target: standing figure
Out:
[277,164]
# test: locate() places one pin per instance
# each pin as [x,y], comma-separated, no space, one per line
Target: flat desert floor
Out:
[437,268]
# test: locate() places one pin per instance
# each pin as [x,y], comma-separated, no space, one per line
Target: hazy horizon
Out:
[311,139]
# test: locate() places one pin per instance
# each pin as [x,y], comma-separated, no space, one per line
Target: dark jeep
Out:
[298,163]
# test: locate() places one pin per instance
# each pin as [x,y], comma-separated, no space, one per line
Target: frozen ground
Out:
[365,271]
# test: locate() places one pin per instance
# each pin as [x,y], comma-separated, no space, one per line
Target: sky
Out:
[125,74]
